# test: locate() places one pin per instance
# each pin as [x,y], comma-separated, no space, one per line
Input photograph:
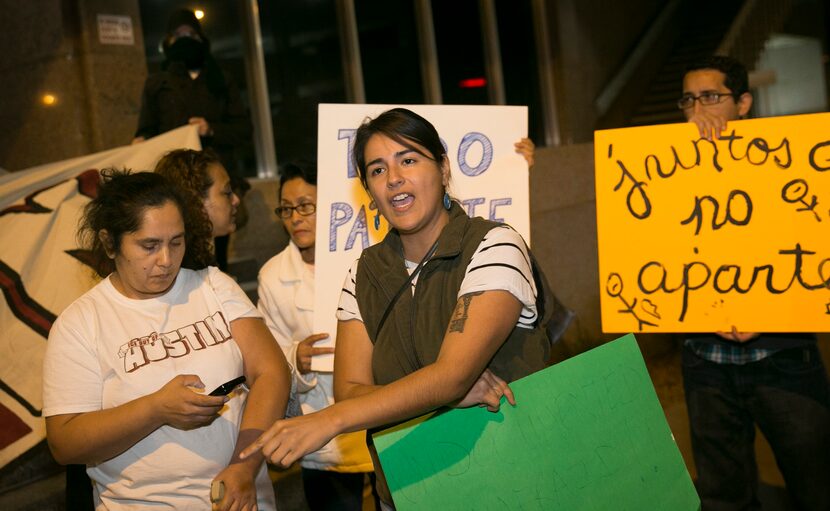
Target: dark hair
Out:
[183,17]
[119,208]
[305,170]
[187,171]
[736,77]
[404,127]
[217,81]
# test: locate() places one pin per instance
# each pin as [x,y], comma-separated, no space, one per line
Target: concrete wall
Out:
[52,47]
[263,236]
[563,233]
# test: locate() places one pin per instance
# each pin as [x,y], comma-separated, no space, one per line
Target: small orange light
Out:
[199,14]
[49,99]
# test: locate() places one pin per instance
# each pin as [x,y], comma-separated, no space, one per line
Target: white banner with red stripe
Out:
[42,270]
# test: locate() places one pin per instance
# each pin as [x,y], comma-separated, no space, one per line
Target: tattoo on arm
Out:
[459,315]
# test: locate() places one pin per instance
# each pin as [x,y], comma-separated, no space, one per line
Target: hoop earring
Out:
[447,202]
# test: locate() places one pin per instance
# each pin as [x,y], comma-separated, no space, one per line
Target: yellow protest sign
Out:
[700,236]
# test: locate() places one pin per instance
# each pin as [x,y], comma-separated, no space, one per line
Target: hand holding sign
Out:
[306,350]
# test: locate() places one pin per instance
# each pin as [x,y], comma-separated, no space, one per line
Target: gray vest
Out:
[412,334]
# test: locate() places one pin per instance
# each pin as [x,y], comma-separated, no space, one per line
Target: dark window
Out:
[519,63]
[460,52]
[303,66]
[222,24]
[389,52]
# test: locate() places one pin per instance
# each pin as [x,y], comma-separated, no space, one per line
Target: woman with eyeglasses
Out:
[333,476]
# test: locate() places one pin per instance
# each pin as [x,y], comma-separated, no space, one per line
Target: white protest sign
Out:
[488,177]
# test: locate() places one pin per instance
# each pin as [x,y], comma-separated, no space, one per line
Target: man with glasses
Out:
[735,380]
[715,90]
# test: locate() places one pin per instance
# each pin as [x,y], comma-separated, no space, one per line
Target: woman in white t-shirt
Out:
[129,365]
[441,313]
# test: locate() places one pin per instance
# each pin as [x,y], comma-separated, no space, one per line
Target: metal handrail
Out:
[612,91]
[754,23]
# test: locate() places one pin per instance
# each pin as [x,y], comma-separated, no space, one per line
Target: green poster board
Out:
[586,434]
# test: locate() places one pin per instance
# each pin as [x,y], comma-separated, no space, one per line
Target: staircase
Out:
[704,26]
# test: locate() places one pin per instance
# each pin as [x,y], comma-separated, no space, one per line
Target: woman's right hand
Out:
[288,440]
[306,350]
[487,391]
[182,407]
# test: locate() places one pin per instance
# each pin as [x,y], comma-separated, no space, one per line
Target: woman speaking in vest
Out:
[441,313]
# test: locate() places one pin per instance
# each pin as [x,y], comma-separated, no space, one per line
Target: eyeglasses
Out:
[305,209]
[706,99]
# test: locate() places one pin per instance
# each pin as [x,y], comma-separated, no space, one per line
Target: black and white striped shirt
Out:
[501,263]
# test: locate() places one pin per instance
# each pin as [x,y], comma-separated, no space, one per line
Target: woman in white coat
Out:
[334,477]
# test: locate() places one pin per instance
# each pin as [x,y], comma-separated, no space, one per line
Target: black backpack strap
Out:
[404,287]
[551,314]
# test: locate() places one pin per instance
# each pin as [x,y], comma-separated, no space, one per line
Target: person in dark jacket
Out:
[191,88]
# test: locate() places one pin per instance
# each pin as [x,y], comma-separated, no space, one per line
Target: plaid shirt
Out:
[725,354]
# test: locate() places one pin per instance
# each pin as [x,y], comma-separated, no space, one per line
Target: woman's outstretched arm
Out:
[479,325]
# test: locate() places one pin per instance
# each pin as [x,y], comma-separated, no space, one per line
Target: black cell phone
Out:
[227,387]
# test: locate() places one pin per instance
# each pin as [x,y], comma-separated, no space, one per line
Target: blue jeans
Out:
[787,396]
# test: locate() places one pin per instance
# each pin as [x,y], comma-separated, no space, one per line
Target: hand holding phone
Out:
[227,387]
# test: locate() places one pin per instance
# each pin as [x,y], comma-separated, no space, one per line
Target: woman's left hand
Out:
[306,350]
[288,440]
[487,391]
[239,489]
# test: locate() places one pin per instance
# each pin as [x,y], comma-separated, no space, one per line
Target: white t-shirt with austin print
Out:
[106,349]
